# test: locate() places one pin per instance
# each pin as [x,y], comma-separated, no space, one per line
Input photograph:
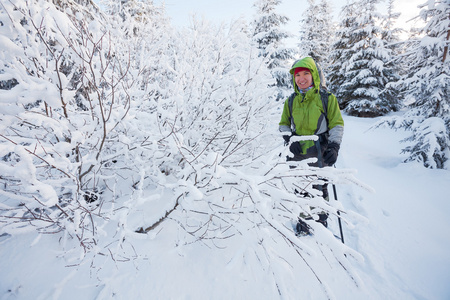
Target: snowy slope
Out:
[400,234]
[406,242]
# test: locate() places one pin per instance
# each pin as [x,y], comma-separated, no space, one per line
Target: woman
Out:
[310,114]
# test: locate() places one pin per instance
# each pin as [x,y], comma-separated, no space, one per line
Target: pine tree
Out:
[341,49]
[390,33]
[428,88]
[317,32]
[269,39]
[393,65]
[367,68]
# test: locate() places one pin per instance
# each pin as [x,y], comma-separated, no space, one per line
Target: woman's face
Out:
[303,79]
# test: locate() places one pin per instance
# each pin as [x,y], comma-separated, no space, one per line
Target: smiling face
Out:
[303,79]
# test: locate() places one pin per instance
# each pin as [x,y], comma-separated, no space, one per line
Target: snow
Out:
[170,181]
[406,241]
[396,245]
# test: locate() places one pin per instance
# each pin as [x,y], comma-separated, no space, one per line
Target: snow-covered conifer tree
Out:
[362,78]
[317,33]
[390,33]
[393,64]
[341,49]
[269,38]
[427,85]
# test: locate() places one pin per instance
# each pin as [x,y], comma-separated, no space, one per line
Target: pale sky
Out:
[180,11]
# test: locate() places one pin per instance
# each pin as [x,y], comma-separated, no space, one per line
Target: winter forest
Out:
[120,133]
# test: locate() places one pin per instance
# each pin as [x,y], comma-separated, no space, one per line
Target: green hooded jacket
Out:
[307,109]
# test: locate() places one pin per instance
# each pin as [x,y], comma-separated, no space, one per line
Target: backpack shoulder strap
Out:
[324,94]
[290,103]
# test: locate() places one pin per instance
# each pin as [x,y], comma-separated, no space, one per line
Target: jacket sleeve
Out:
[335,121]
[285,124]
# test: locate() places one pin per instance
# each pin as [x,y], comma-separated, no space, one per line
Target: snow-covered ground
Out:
[400,233]
[406,242]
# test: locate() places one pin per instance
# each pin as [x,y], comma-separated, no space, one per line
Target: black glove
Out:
[331,154]
[296,148]
[286,139]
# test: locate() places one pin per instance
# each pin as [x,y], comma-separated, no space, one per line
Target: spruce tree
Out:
[428,88]
[366,68]
[342,50]
[390,36]
[317,32]
[269,38]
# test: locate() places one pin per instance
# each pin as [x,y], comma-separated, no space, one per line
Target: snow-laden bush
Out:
[60,119]
[104,145]
[84,133]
